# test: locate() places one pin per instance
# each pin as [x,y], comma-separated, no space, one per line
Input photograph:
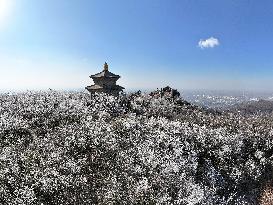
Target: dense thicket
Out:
[68,148]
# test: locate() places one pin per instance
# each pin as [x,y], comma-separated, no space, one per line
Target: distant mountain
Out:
[254,107]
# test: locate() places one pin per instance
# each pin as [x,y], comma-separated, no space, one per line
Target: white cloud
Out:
[208,43]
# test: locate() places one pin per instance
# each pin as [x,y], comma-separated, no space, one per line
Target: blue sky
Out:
[150,43]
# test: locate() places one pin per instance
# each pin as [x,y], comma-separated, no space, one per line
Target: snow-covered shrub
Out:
[71,148]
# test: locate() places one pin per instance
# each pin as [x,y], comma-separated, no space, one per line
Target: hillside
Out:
[254,107]
[68,148]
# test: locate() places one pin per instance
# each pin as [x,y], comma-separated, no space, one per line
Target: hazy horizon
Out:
[144,90]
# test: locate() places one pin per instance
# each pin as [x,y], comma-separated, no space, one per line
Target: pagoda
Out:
[105,82]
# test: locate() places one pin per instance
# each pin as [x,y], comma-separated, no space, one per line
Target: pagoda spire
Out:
[105,67]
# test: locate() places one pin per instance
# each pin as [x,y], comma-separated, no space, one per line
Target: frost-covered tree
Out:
[69,148]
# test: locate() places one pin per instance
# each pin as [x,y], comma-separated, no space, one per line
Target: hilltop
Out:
[69,148]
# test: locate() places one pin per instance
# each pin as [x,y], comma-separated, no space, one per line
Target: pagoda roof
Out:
[98,87]
[118,87]
[105,73]
[94,87]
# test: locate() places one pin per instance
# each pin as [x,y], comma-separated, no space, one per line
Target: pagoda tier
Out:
[106,74]
[105,81]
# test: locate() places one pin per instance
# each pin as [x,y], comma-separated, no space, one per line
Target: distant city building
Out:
[105,82]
